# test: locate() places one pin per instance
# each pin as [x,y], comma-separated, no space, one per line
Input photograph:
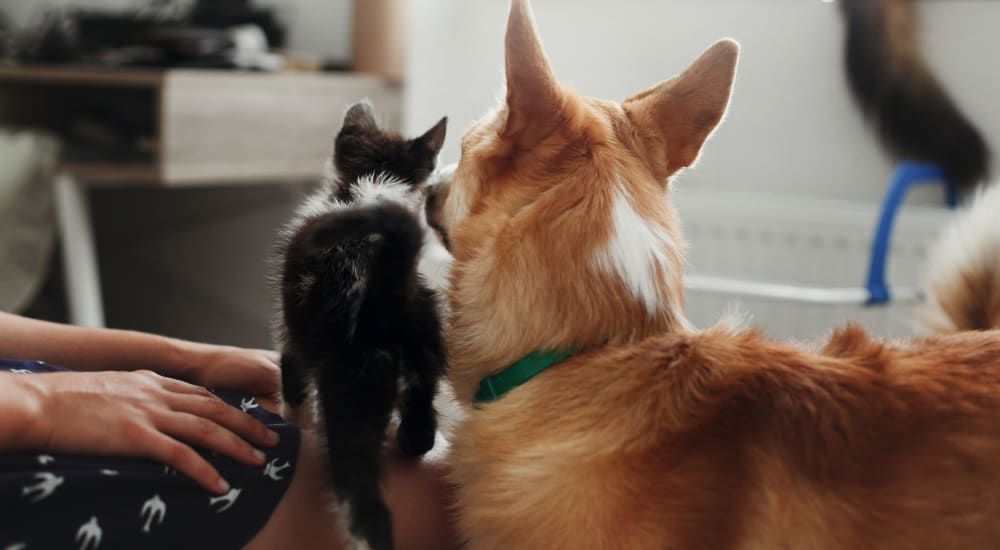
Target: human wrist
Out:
[26,424]
[179,358]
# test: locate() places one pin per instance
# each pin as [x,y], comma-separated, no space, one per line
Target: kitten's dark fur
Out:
[358,321]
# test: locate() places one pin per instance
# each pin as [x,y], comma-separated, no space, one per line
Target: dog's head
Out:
[557,214]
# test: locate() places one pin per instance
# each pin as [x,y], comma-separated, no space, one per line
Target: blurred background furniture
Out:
[379,44]
[176,128]
[27,227]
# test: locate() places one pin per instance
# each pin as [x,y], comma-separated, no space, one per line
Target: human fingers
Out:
[262,379]
[217,411]
[269,402]
[209,435]
[256,372]
[173,384]
[270,355]
[185,397]
[184,459]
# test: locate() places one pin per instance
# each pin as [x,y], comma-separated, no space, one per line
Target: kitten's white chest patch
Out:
[383,187]
[636,252]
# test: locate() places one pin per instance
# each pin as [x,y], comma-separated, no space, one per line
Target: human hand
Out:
[140,414]
[253,371]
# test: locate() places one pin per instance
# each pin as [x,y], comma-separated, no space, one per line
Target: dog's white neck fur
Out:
[636,252]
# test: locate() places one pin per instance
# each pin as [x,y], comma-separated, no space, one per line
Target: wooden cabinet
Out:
[188,127]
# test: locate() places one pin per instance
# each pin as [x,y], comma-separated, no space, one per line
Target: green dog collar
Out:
[493,387]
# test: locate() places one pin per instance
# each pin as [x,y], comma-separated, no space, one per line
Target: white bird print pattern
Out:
[227,499]
[89,535]
[44,488]
[272,469]
[154,508]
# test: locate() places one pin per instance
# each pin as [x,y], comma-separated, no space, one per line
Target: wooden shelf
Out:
[88,76]
[208,126]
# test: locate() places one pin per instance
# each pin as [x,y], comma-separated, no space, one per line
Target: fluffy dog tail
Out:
[964,279]
[895,89]
[401,232]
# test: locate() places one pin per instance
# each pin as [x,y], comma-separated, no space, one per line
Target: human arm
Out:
[95,349]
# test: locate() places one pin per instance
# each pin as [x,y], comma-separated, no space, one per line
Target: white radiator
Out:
[796,241]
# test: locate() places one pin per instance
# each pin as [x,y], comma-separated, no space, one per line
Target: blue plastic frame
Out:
[907,175]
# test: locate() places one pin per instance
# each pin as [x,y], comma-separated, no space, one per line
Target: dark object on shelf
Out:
[55,41]
[191,46]
[222,14]
[337,66]
[7,38]
[147,37]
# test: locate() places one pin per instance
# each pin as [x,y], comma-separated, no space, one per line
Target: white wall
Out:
[321,26]
[792,128]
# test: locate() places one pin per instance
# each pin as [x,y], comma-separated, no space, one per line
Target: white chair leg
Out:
[83,285]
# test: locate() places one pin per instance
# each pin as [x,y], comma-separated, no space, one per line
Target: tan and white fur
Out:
[656,435]
[964,278]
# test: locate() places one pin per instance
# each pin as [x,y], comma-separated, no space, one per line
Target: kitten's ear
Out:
[433,139]
[361,115]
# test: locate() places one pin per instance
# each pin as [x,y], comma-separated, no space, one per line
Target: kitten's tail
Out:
[964,279]
[401,232]
[899,94]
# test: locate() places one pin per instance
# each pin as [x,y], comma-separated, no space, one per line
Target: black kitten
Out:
[358,322]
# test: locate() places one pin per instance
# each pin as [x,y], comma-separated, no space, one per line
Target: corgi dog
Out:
[598,418]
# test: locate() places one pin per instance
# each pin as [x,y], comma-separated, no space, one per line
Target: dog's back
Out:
[723,440]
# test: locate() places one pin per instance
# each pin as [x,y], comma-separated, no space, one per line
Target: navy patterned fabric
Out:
[55,501]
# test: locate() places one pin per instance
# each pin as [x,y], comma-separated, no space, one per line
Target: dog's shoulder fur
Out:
[656,435]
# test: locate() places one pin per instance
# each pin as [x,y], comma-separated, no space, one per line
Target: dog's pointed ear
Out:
[681,113]
[433,139]
[360,115]
[533,94]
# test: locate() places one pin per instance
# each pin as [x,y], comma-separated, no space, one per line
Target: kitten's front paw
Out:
[416,438]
